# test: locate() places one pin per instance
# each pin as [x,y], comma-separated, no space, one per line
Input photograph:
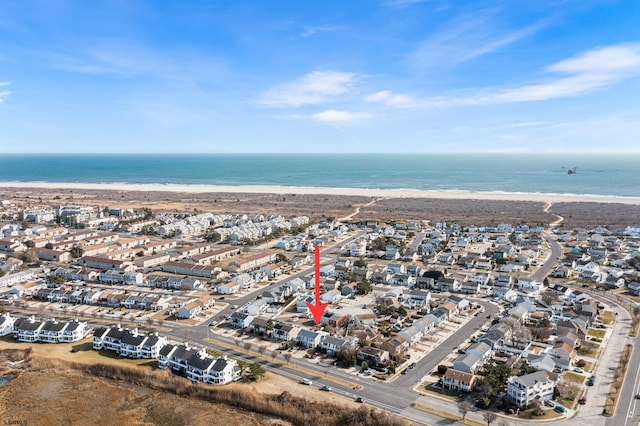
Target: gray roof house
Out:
[469,363]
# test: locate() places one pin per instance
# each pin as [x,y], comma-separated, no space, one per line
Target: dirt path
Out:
[558,221]
[357,210]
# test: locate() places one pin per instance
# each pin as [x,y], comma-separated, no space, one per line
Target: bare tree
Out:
[261,349]
[247,346]
[489,417]
[237,342]
[274,354]
[464,407]
[522,334]
[503,422]
[548,298]
[287,357]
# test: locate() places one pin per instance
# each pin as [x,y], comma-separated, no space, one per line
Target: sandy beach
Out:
[359,192]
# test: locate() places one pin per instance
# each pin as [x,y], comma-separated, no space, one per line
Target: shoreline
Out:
[364,192]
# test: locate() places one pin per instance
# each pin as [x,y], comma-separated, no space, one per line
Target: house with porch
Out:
[458,380]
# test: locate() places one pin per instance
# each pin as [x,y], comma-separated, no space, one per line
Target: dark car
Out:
[462,351]
[403,371]
[360,400]
[582,400]
[413,364]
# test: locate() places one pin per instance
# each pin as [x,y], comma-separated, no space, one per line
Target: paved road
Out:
[551,262]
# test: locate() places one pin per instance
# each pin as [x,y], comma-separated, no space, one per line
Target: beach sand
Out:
[360,192]
[479,208]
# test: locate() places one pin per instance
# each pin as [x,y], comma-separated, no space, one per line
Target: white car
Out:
[306,382]
[578,370]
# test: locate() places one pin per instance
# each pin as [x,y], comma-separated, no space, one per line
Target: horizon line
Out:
[323,153]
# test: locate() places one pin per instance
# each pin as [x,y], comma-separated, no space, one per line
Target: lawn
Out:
[596,333]
[607,317]
[588,349]
[429,388]
[548,415]
[573,377]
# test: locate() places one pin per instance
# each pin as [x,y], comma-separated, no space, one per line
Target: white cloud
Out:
[315,29]
[466,37]
[328,116]
[311,89]
[332,116]
[4,93]
[392,100]
[126,58]
[586,72]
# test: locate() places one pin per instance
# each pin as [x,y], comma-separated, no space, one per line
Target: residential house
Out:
[525,389]
[331,296]
[425,324]
[461,303]
[418,298]
[240,319]
[451,285]
[189,310]
[634,288]
[27,329]
[567,326]
[564,350]
[468,362]
[543,361]
[458,380]
[228,288]
[310,339]
[260,325]
[257,307]
[284,332]
[482,349]
[395,346]
[373,356]
[332,344]
[6,324]
[411,334]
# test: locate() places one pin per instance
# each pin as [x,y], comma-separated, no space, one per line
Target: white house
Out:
[6,324]
[524,389]
[309,338]
[228,288]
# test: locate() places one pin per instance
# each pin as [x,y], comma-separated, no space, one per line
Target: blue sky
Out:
[319,76]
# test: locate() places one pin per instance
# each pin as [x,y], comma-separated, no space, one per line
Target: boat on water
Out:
[572,171]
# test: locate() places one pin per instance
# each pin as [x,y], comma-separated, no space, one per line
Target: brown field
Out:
[318,206]
[588,215]
[56,386]
[461,211]
[314,206]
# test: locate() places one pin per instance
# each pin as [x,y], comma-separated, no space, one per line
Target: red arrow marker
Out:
[318,308]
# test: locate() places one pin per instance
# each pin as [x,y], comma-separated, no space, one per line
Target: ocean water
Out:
[597,174]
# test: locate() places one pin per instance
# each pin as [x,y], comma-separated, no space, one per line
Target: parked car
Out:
[403,371]
[578,370]
[560,409]
[550,403]
[412,365]
[582,400]
[638,396]
[462,351]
